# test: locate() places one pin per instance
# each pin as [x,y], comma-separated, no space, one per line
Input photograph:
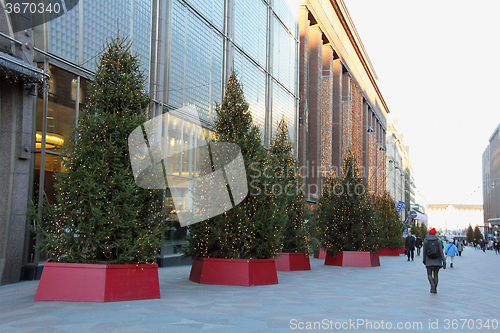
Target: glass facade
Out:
[253,80]
[79,35]
[257,38]
[195,76]
[260,40]
[251,15]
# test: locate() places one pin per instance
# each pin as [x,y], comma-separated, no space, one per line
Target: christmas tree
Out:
[391,228]
[252,229]
[101,215]
[477,233]
[345,212]
[415,229]
[295,235]
[423,230]
[470,234]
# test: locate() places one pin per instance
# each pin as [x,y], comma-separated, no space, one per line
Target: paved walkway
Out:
[324,299]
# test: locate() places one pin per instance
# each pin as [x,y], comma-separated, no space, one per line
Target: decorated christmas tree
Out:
[478,235]
[295,234]
[470,234]
[391,228]
[415,229]
[345,212]
[423,230]
[101,215]
[253,228]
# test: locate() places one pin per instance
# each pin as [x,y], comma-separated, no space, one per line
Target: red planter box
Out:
[402,250]
[293,262]
[321,254]
[234,272]
[97,283]
[353,259]
[389,252]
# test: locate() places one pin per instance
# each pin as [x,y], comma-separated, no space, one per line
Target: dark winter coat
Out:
[410,243]
[418,242]
[429,262]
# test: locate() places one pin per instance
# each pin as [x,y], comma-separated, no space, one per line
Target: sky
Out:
[438,68]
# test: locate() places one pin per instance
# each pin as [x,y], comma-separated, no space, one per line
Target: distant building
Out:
[454,218]
[395,165]
[491,185]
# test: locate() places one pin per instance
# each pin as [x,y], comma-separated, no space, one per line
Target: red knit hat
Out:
[432,231]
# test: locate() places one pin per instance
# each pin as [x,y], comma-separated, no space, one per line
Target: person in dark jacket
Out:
[433,264]
[460,246]
[418,244]
[410,246]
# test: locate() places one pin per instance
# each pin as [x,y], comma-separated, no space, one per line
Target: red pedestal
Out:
[353,259]
[402,250]
[234,272]
[292,262]
[97,283]
[321,254]
[389,252]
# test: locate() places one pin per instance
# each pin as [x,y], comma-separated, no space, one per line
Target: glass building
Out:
[188,49]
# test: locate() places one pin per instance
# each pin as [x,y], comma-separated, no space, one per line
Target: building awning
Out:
[418,216]
[494,220]
[29,73]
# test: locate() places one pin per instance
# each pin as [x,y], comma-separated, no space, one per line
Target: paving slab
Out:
[394,297]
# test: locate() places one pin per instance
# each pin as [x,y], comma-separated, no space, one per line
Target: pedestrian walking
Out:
[451,251]
[410,246]
[483,245]
[496,246]
[418,244]
[433,258]
[460,246]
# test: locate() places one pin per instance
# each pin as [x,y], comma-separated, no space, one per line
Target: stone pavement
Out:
[391,298]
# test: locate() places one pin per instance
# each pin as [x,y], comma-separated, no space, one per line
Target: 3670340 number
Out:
[478,324]
[32,8]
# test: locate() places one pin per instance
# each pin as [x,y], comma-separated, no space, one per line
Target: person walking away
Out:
[460,246]
[483,245]
[496,246]
[418,244]
[433,258]
[410,246]
[451,251]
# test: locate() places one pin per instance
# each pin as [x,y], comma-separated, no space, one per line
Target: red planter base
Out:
[97,283]
[402,250]
[389,252]
[234,272]
[293,262]
[321,254]
[353,259]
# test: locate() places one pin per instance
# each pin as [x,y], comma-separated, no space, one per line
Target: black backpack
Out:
[432,248]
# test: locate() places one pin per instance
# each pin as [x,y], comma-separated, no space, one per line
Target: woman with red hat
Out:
[433,258]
